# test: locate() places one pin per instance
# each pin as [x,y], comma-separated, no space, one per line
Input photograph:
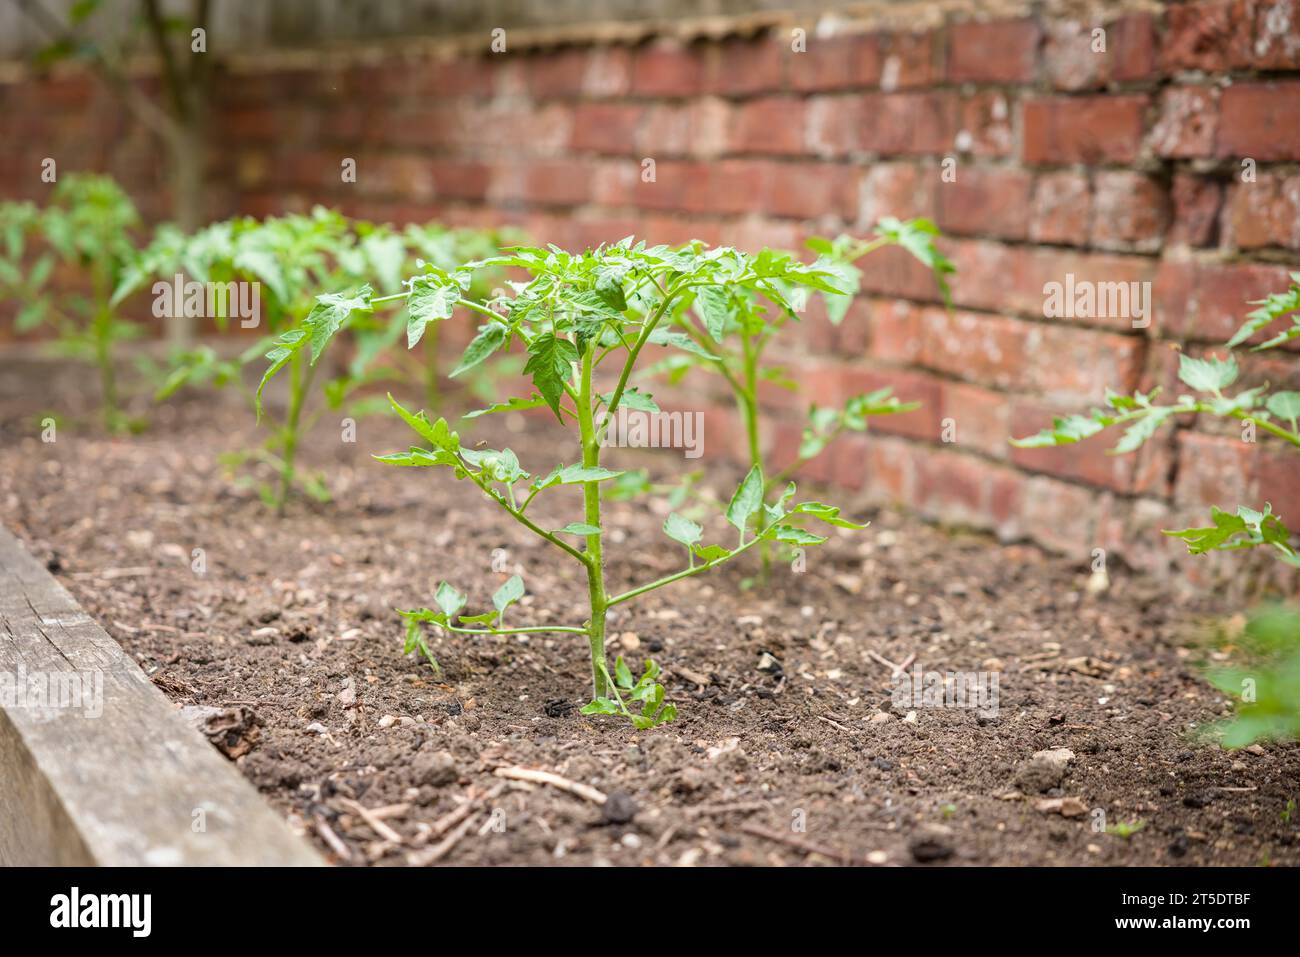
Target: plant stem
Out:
[298,386]
[595,555]
[103,335]
[748,401]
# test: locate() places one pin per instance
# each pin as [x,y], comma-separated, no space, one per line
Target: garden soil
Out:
[278,637]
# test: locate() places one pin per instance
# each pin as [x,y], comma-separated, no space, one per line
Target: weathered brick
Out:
[740,66]
[1207,301]
[1214,470]
[1258,120]
[1070,59]
[1188,122]
[810,191]
[1265,213]
[1061,209]
[769,125]
[667,68]
[606,127]
[901,190]
[980,418]
[836,63]
[997,51]
[910,60]
[984,125]
[1196,202]
[1091,129]
[908,123]
[1131,211]
[1206,36]
[992,201]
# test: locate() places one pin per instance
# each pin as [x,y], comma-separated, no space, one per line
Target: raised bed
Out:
[96,765]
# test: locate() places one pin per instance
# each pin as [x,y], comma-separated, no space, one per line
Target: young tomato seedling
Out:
[1274,711]
[289,258]
[730,328]
[88,225]
[584,320]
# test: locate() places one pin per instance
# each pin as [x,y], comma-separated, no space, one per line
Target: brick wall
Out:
[1117,166]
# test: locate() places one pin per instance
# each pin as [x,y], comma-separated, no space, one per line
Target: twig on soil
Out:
[452,818]
[432,855]
[894,669]
[694,677]
[740,807]
[376,825]
[836,724]
[329,837]
[533,776]
[800,844]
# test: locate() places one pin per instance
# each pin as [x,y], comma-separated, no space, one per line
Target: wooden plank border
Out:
[96,765]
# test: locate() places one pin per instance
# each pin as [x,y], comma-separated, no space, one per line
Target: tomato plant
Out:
[583,321]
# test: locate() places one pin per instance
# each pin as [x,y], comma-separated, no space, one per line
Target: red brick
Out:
[554,73]
[455,179]
[1206,36]
[953,487]
[1215,470]
[770,125]
[901,190]
[1061,209]
[1265,213]
[810,191]
[1011,279]
[836,63]
[609,72]
[1063,363]
[1131,48]
[1062,517]
[908,123]
[991,201]
[1188,122]
[1131,211]
[667,68]
[1069,59]
[739,66]
[895,331]
[834,124]
[1091,129]
[1278,481]
[910,60]
[1277,36]
[1196,203]
[1207,301]
[606,127]
[892,271]
[1000,51]
[984,125]
[1259,120]
[980,417]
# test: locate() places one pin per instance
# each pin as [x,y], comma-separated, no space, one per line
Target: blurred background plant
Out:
[61,264]
[291,258]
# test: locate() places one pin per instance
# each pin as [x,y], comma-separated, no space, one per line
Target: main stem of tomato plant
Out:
[598,599]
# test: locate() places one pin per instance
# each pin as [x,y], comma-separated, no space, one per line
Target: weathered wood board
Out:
[96,765]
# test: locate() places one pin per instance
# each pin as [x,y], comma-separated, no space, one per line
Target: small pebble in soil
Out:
[1198,800]
[929,849]
[433,768]
[619,808]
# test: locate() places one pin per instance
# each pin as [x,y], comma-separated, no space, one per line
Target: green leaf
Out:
[623,674]
[286,345]
[829,514]
[601,706]
[508,594]
[1285,405]
[1207,375]
[329,314]
[510,405]
[550,363]
[579,528]
[437,434]
[792,535]
[682,529]
[711,553]
[429,303]
[449,599]
[746,500]
[713,303]
[633,399]
[490,338]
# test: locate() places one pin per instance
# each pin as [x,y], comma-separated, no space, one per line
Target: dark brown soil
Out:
[290,632]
